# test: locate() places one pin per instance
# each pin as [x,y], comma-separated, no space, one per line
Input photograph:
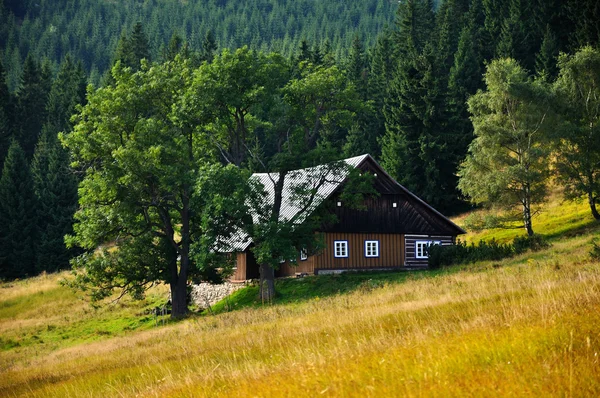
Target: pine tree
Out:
[124,52]
[56,189]
[357,70]
[415,20]
[305,52]
[5,112]
[546,58]
[464,81]
[209,47]
[31,107]
[68,91]
[17,212]
[140,47]
[131,50]
[414,146]
[516,37]
[175,46]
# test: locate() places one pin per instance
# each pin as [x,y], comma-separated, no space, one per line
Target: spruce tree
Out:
[18,214]
[68,91]
[357,70]
[56,189]
[175,46]
[209,47]
[124,52]
[517,35]
[546,58]
[5,112]
[54,182]
[31,106]
[414,148]
[140,47]
[464,81]
[415,21]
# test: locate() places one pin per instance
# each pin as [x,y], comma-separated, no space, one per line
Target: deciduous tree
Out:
[578,142]
[508,160]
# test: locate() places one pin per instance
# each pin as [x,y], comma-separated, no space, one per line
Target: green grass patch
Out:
[298,290]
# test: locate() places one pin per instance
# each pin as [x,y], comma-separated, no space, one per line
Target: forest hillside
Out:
[90,30]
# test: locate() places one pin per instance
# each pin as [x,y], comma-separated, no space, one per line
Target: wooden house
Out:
[393,231]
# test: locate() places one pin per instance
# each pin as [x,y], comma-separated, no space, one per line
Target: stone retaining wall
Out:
[206,294]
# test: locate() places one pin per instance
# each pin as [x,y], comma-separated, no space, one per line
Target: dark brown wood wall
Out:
[391,252]
[302,266]
[410,240]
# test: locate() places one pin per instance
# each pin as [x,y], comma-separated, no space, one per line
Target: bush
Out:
[534,243]
[461,253]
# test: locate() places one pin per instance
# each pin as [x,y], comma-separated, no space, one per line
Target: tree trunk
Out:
[592,202]
[179,299]
[527,219]
[179,284]
[267,283]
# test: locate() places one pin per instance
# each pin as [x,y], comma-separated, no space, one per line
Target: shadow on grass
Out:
[297,290]
[574,230]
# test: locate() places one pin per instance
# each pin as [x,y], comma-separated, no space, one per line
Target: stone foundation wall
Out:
[206,294]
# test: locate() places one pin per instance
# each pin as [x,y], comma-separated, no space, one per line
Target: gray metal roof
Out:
[320,181]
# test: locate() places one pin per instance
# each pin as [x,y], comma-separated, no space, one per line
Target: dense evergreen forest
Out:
[428,96]
[90,29]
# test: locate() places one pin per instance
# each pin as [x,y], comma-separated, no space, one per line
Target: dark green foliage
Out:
[5,112]
[56,189]
[584,16]
[534,243]
[461,253]
[546,58]
[209,46]
[415,23]
[132,49]
[90,30]
[18,205]
[32,98]
[357,69]
[415,146]
[68,91]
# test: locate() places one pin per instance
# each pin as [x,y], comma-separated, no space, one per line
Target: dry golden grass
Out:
[527,326]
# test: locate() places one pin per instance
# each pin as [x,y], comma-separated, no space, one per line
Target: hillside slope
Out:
[525,326]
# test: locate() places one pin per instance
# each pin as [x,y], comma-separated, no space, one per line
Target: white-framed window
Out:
[340,248]
[303,255]
[422,247]
[371,248]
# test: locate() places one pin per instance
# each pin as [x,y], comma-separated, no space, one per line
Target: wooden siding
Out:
[410,240]
[246,267]
[302,266]
[391,252]
[380,216]
[239,273]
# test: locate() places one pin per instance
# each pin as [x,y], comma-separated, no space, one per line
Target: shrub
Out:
[534,243]
[461,253]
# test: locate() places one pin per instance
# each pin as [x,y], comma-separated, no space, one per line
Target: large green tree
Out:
[508,161]
[18,214]
[142,156]
[577,158]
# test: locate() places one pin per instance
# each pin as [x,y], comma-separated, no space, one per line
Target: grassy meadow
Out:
[525,326]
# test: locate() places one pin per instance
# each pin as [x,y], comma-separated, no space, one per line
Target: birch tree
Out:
[508,161]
